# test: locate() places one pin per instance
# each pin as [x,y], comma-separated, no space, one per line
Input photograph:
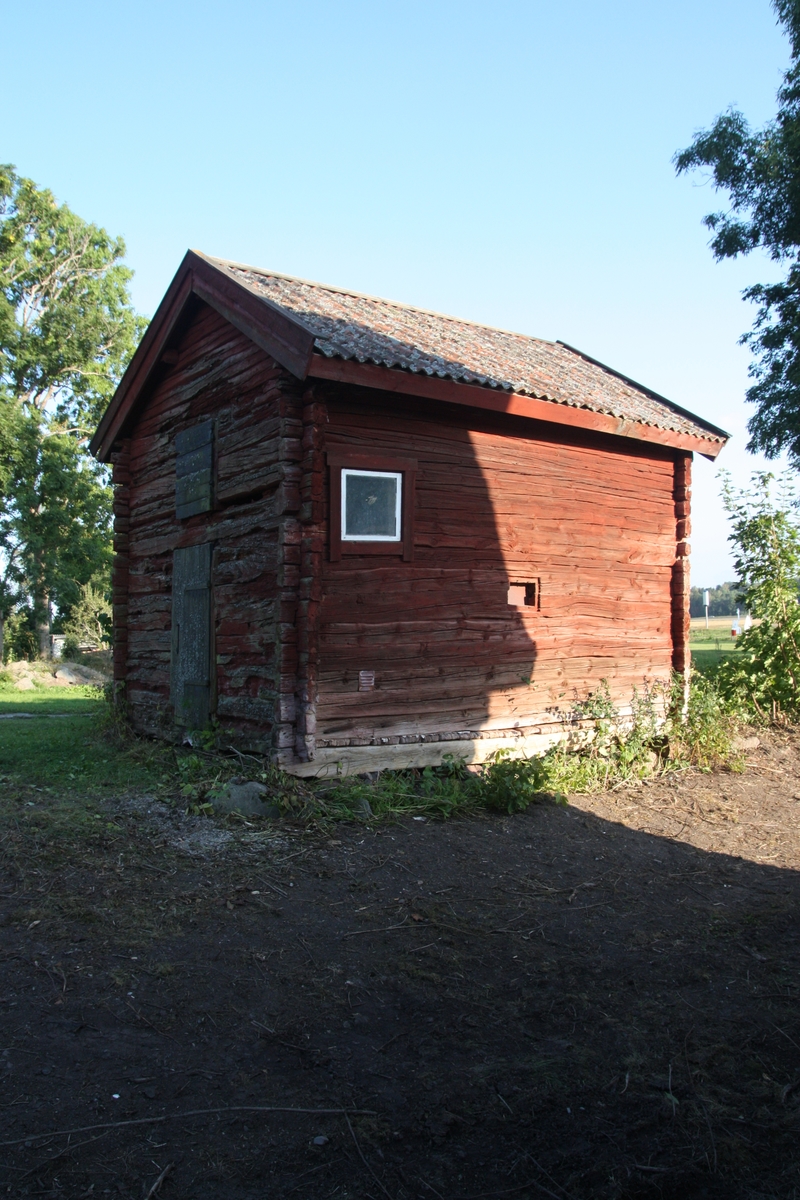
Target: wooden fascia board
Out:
[143,362]
[683,412]
[388,379]
[284,339]
[281,336]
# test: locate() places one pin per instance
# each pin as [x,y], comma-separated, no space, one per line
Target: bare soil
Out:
[592,1001]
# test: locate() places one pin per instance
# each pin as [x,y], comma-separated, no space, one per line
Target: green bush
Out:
[701,731]
[71,649]
[512,784]
[762,677]
[90,618]
[19,636]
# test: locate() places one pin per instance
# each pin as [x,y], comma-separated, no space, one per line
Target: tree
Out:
[760,171]
[11,574]
[723,601]
[67,331]
[763,675]
[90,618]
[61,520]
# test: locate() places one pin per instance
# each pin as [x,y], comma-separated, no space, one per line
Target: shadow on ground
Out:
[551,1004]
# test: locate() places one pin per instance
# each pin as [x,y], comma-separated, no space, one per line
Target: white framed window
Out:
[372,505]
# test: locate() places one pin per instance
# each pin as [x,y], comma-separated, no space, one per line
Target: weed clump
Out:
[703,734]
[503,784]
[661,733]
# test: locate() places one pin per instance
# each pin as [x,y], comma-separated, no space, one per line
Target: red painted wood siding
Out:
[595,522]
[600,522]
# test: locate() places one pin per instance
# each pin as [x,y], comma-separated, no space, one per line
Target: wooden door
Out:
[191,636]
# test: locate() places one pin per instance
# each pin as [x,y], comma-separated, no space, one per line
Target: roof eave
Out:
[390,379]
[640,387]
[291,343]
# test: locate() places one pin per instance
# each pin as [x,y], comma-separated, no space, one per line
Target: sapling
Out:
[763,673]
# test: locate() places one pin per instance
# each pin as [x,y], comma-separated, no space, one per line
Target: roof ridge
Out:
[428,312]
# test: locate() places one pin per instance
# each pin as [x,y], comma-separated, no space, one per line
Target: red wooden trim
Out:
[375,462]
[388,379]
[143,362]
[337,459]
[681,581]
[409,492]
[256,317]
[285,339]
[335,516]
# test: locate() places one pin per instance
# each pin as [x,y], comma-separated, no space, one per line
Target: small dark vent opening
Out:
[525,595]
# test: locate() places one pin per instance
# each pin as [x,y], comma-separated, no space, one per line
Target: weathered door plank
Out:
[191,635]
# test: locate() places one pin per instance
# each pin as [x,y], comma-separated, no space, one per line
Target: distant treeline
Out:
[722,601]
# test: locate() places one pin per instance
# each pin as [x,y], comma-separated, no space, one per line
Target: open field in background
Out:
[710,645]
[600,1001]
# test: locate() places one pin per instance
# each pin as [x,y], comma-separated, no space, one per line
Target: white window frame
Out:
[398,515]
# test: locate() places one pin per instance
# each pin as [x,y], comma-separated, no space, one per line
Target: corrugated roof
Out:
[366,329]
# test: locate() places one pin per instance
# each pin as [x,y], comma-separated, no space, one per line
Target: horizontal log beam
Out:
[355,760]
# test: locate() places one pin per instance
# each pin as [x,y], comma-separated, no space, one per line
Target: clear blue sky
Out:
[506,161]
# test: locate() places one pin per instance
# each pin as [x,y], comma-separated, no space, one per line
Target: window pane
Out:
[371,505]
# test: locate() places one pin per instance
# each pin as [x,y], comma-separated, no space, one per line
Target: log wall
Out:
[500,500]
[216,372]
[599,524]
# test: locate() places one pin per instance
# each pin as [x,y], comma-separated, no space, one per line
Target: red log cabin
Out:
[354,535]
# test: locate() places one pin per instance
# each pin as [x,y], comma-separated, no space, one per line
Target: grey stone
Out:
[73,673]
[25,684]
[361,807]
[247,799]
[746,743]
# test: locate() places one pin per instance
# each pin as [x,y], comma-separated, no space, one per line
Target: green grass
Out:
[45,700]
[706,659]
[67,743]
[710,646]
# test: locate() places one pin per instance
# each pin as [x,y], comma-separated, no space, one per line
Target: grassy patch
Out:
[64,741]
[45,700]
[66,753]
[706,659]
[710,647]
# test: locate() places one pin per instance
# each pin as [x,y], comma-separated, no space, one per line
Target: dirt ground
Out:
[592,1001]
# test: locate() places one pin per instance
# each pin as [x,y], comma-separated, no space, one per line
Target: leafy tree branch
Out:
[760,172]
[67,331]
